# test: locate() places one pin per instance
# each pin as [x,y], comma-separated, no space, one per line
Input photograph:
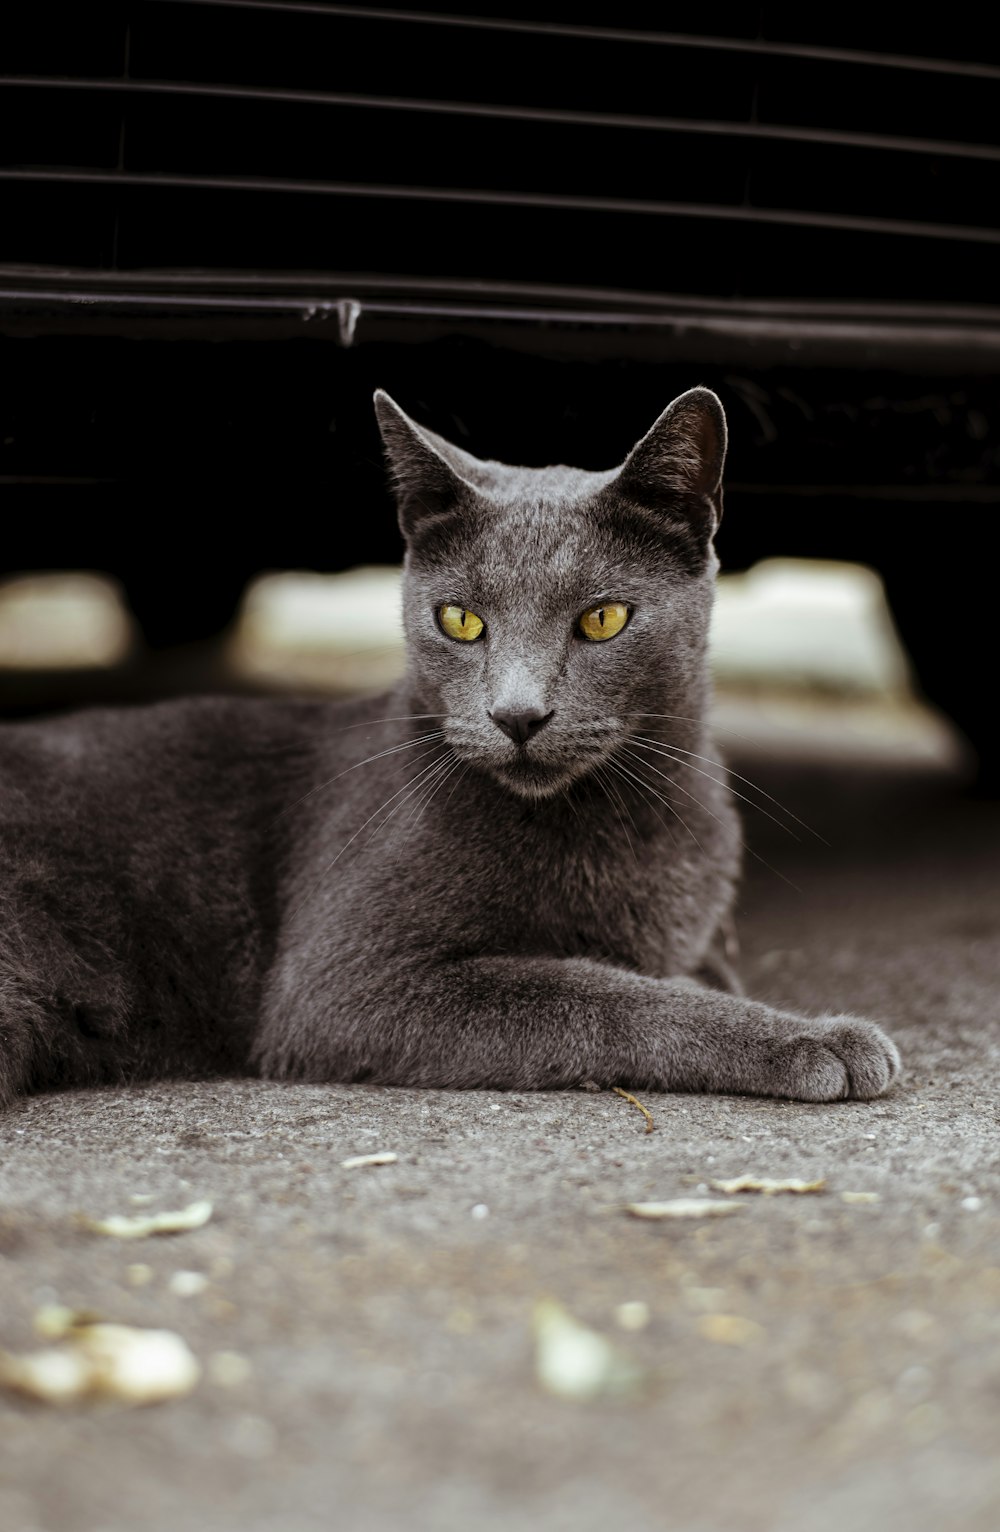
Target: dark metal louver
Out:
[249,155]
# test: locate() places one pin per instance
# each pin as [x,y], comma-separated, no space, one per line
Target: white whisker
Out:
[437,782]
[421,739]
[611,793]
[705,808]
[649,788]
[371,723]
[657,747]
[415,786]
[330,865]
[721,765]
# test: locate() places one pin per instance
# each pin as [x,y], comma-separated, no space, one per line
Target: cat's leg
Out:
[26,1039]
[57,1027]
[530,1023]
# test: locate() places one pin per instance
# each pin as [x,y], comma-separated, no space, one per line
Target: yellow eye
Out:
[457,622]
[604,621]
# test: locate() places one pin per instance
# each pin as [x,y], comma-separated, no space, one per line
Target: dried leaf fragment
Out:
[627,1096]
[574,1362]
[683,1207]
[113,1361]
[119,1226]
[356,1161]
[58,1375]
[768,1187]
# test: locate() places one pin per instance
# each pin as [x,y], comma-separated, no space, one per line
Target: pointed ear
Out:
[428,472]
[677,466]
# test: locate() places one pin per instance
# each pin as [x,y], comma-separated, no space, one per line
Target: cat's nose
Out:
[520,726]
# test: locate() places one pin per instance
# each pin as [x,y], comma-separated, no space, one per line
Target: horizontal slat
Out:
[332,286]
[289,138]
[764,131]
[915,494]
[641,36]
[654,208]
[975,347]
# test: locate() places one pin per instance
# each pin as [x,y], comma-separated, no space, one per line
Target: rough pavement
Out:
[385,1314]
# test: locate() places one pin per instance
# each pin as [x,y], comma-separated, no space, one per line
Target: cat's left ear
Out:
[680,460]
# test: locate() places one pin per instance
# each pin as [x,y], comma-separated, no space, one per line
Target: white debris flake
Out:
[187,1284]
[119,1226]
[357,1161]
[767,1187]
[632,1316]
[573,1362]
[683,1207]
[859,1197]
[105,1360]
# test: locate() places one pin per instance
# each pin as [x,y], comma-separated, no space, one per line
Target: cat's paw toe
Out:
[870,1056]
[845,1058]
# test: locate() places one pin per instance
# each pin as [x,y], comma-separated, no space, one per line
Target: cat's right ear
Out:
[676,469]
[428,473]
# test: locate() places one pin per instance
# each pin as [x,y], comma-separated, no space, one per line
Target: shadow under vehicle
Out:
[227,222]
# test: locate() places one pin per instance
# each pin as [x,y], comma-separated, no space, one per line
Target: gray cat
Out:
[514,870]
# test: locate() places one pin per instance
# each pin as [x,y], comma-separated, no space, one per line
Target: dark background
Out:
[226,223]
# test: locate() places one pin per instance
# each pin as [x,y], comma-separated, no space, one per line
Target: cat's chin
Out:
[533,781]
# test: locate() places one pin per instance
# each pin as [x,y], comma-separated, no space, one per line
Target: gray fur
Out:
[315,891]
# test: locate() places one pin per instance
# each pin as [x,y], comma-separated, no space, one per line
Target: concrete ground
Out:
[385,1314]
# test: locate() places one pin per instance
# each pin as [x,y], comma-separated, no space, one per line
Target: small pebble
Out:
[730,1329]
[972,1204]
[913,1323]
[250,1437]
[229,1368]
[480,1210]
[186,1284]
[915,1383]
[632,1316]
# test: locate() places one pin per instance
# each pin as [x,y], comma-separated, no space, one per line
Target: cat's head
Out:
[548,609]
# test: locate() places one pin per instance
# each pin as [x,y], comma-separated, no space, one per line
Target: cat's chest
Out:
[515,885]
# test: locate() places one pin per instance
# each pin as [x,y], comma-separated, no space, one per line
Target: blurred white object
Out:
[807,623]
[339,632]
[63,622]
[805,655]
[786,622]
[574,1362]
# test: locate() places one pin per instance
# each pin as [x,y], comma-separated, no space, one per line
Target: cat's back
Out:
[140,855]
[196,755]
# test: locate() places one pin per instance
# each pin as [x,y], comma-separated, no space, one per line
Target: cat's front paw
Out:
[837,1058]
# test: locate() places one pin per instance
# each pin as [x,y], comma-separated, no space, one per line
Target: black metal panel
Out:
[775,160]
